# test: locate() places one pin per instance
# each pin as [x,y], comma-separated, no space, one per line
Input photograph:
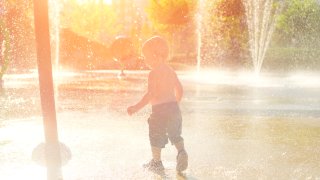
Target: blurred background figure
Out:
[122,51]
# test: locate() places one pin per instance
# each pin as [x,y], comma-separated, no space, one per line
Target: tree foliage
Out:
[171,12]
[96,21]
[299,24]
[173,19]
[226,32]
[297,36]
[223,28]
[168,16]
[18,17]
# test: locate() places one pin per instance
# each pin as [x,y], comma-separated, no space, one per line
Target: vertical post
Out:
[101,21]
[41,20]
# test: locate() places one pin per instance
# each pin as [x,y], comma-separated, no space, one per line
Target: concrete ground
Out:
[234,127]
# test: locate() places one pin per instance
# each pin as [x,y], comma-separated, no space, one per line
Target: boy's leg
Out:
[155,164]
[156,153]
[182,157]
[174,130]
[158,139]
[179,146]
[157,136]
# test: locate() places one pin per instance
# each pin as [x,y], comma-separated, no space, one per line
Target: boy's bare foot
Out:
[154,166]
[182,161]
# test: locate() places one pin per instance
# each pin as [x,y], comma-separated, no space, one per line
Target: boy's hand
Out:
[131,110]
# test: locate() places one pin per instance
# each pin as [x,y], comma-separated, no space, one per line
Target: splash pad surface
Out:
[235,126]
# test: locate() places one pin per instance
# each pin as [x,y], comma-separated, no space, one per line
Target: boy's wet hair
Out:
[158,46]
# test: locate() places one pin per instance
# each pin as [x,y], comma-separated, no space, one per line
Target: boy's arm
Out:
[147,96]
[135,108]
[178,89]
[144,100]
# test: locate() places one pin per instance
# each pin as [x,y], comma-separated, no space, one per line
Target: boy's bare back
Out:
[164,85]
[164,91]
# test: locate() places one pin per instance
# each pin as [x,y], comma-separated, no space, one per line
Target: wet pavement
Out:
[235,126]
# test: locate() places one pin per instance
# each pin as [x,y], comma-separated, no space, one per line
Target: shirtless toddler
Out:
[164,93]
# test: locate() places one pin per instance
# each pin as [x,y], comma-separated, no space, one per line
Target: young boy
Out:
[164,92]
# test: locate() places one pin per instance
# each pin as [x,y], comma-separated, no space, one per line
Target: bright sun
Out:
[97,1]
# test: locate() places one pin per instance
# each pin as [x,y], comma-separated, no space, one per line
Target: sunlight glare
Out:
[305,79]
[109,2]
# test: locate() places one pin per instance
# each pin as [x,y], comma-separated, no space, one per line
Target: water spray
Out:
[261,20]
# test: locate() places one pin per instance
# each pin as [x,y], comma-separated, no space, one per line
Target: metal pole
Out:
[41,21]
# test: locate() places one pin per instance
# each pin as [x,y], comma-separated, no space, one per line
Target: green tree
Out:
[296,39]
[18,18]
[171,18]
[93,20]
[225,33]
[171,12]
[299,24]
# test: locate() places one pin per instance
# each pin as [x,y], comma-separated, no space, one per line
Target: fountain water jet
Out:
[199,41]
[261,18]
[54,15]
[4,45]
[54,8]
[203,32]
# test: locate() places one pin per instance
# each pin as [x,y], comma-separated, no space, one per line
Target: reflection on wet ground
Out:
[234,128]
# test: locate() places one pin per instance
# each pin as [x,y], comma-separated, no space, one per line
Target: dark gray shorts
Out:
[165,122]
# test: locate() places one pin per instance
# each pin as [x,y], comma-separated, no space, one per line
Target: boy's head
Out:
[155,49]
